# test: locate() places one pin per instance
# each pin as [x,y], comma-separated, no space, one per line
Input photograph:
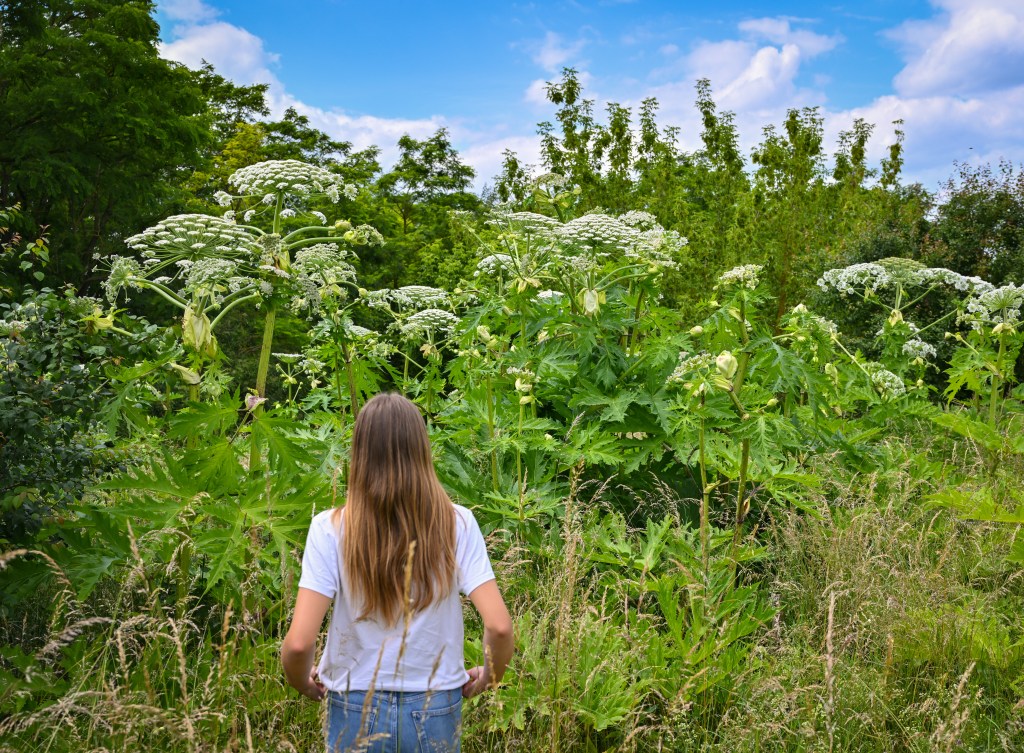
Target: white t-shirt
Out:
[363,654]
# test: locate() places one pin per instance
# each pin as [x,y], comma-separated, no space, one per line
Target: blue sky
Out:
[953,70]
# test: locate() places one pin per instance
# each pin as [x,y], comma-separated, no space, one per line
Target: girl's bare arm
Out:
[498,639]
[300,643]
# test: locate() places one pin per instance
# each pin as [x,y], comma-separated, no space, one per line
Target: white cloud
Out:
[487,154]
[236,53]
[192,11]
[971,47]
[242,57]
[959,95]
[553,52]
[536,92]
[778,31]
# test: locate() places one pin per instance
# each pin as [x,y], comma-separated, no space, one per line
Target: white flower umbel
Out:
[690,364]
[639,219]
[746,276]
[493,265]
[592,230]
[288,177]
[124,273]
[856,277]
[210,277]
[419,297]
[885,381]
[325,264]
[427,323]
[953,279]
[194,236]
[996,307]
[917,348]
[530,222]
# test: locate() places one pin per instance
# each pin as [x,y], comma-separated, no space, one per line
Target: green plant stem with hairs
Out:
[354,401]
[997,383]
[490,433]
[705,493]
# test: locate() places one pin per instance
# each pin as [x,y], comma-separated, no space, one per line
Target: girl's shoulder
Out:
[326,522]
[465,521]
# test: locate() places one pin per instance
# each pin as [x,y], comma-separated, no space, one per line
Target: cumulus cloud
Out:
[553,51]
[972,46]
[234,52]
[779,31]
[242,57]
[959,94]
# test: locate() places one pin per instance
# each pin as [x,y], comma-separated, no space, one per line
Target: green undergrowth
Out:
[882,624]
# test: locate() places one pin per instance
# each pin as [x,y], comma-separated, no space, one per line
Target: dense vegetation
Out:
[745,436]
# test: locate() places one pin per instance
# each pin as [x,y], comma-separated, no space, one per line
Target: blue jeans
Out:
[393,722]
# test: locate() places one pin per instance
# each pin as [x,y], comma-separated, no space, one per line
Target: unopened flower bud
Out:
[727,364]
[895,317]
[771,403]
[696,331]
[526,399]
[188,376]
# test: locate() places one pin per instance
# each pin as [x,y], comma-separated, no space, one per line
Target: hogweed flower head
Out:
[745,276]
[690,364]
[124,273]
[847,280]
[429,322]
[419,297]
[998,307]
[325,264]
[885,382]
[288,176]
[194,236]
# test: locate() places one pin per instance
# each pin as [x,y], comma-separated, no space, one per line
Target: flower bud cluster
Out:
[745,276]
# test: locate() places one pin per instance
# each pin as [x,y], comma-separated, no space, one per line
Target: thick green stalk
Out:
[705,524]
[519,465]
[741,504]
[997,384]
[490,433]
[354,401]
[255,456]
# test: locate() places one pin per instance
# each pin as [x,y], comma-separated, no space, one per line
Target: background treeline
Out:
[102,138]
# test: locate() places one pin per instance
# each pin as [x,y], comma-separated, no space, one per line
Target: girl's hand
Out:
[476,684]
[314,688]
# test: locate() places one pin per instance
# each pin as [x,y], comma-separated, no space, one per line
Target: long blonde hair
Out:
[395,508]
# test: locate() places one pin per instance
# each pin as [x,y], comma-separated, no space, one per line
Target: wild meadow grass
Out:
[893,626]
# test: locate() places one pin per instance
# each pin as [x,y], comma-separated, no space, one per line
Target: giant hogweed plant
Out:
[207,266]
[981,404]
[752,406]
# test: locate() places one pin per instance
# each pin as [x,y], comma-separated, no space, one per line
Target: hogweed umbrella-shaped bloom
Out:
[998,308]
[427,323]
[193,236]
[746,276]
[289,176]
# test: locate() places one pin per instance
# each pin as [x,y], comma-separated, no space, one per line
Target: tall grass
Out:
[897,628]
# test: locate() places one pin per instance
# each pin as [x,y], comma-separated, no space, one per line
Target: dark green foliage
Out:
[98,129]
[53,390]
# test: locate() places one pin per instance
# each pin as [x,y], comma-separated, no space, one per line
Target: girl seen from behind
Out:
[393,560]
